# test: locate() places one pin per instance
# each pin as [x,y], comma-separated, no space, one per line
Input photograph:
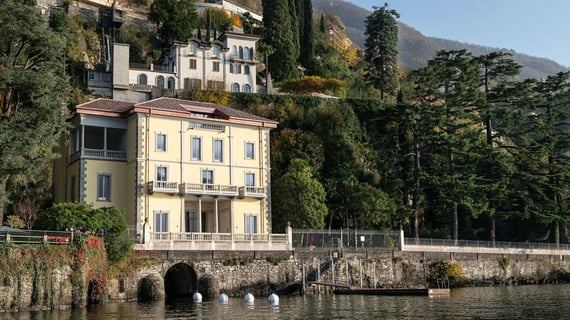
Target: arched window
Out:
[246,53]
[235,87]
[251,54]
[142,79]
[246,88]
[234,51]
[240,52]
[160,82]
[171,83]
[246,69]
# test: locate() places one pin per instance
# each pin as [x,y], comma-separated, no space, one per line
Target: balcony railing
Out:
[254,192]
[99,154]
[211,189]
[162,186]
[215,241]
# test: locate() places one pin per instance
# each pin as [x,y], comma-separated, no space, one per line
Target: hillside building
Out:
[228,64]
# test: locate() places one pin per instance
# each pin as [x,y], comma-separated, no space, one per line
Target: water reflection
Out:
[525,302]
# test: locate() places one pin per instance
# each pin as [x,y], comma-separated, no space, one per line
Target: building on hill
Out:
[227,63]
[188,175]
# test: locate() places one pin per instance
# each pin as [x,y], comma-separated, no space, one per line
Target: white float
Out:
[223,298]
[273,299]
[249,298]
[197,297]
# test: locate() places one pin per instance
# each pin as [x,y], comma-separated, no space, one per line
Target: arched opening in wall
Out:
[180,281]
[95,292]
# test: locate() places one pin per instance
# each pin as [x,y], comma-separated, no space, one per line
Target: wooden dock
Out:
[432,292]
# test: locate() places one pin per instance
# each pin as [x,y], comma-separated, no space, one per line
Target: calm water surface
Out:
[524,302]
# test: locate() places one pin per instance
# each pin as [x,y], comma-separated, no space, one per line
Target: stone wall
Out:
[38,277]
[261,273]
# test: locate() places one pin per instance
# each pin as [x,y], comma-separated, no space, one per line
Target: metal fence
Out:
[17,236]
[485,244]
[344,239]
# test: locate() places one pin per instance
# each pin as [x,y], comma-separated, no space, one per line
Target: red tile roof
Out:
[170,104]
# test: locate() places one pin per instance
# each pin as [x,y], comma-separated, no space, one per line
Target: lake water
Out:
[523,302]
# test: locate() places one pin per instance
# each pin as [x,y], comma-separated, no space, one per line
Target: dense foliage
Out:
[175,19]
[109,223]
[33,92]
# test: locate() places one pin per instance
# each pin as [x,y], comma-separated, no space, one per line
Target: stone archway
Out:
[180,281]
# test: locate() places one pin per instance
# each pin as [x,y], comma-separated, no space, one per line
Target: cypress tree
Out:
[278,36]
[307,40]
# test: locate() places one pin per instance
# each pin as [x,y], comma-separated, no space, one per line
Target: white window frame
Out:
[248,224]
[250,179]
[207,179]
[193,64]
[161,176]
[196,150]
[103,187]
[218,150]
[161,222]
[247,154]
[159,136]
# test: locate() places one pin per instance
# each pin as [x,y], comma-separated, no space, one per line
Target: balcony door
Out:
[191,221]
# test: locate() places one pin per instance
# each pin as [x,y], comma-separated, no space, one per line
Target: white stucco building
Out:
[227,63]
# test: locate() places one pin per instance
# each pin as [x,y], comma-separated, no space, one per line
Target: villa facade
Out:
[188,175]
[228,63]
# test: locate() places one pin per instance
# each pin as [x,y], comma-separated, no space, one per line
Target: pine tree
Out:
[381,50]
[450,84]
[497,70]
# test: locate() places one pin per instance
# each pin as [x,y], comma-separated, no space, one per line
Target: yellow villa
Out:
[188,175]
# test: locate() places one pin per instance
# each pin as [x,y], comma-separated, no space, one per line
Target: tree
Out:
[450,84]
[215,20]
[551,139]
[33,92]
[175,19]
[306,33]
[289,144]
[496,71]
[370,208]
[279,37]
[381,49]
[298,198]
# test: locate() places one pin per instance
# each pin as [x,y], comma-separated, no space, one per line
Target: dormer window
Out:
[215,51]
[192,47]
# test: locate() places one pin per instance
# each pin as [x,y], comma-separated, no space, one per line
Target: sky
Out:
[536,28]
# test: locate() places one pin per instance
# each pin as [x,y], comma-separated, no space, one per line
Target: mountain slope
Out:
[415,49]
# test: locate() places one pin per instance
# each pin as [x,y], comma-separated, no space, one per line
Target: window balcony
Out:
[99,154]
[253,192]
[209,189]
[162,186]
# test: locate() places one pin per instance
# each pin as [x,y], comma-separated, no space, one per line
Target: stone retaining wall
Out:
[236,273]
